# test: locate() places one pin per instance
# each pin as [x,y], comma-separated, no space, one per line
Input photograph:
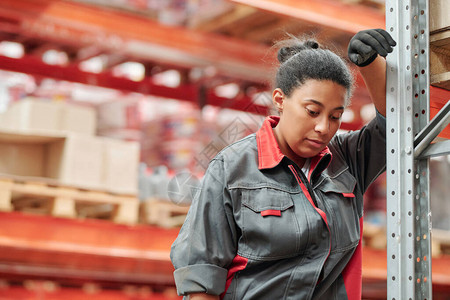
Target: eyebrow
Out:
[321,104]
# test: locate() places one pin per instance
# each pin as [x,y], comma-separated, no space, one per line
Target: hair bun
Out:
[288,51]
[312,44]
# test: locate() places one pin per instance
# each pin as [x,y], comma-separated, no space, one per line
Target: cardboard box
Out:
[121,166]
[123,114]
[22,159]
[440,43]
[31,114]
[439,11]
[73,159]
[77,161]
[34,114]
[24,154]
[79,119]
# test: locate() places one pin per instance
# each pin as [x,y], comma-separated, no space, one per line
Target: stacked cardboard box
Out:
[440,43]
[35,114]
[57,141]
[119,119]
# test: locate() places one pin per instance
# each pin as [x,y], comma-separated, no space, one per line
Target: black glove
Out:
[365,46]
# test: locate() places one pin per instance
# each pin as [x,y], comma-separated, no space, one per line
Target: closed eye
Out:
[312,112]
[336,116]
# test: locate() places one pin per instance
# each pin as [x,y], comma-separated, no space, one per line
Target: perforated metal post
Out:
[408,205]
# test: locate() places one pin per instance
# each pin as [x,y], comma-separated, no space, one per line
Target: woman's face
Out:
[310,117]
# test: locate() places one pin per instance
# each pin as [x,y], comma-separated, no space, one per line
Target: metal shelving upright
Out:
[409,134]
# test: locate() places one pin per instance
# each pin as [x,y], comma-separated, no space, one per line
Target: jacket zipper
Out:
[301,181]
[305,181]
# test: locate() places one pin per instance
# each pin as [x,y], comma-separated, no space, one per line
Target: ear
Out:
[278,99]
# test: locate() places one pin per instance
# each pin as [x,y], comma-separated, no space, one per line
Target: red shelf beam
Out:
[41,293]
[130,35]
[185,92]
[81,250]
[324,13]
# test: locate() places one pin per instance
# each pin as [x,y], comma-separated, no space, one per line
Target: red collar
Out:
[269,152]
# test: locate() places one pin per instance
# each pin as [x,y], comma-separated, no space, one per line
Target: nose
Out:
[322,125]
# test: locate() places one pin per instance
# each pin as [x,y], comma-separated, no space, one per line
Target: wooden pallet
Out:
[375,237]
[37,195]
[163,213]
[440,242]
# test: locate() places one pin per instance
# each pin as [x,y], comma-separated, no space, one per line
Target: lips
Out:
[316,143]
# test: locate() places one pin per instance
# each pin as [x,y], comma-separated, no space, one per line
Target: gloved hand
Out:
[365,46]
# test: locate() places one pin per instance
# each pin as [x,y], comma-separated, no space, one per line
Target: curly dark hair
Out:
[301,60]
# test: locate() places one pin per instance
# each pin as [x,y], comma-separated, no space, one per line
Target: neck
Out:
[286,150]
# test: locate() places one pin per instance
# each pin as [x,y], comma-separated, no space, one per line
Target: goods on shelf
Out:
[180,154]
[440,242]
[119,114]
[73,159]
[120,119]
[439,20]
[188,138]
[36,114]
[153,185]
[439,43]
[120,166]
[57,140]
[76,160]
[172,138]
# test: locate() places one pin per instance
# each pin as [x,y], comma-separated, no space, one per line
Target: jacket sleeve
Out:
[207,241]
[365,151]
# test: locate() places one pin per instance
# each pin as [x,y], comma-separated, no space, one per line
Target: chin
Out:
[308,154]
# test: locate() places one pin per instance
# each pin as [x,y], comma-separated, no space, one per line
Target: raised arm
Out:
[367,50]
[374,76]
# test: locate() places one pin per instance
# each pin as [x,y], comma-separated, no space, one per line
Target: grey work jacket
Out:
[261,229]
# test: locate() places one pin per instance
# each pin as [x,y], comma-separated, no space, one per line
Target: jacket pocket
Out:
[270,229]
[339,199]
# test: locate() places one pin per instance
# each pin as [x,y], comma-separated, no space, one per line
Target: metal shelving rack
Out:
[409,134]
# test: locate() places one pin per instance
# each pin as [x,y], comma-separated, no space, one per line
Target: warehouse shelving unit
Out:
[409,134]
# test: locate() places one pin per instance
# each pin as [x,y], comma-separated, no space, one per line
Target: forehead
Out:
[323,92]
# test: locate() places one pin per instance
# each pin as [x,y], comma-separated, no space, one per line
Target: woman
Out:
[279,213]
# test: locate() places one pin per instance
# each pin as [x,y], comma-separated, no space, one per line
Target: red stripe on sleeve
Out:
[349,195]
